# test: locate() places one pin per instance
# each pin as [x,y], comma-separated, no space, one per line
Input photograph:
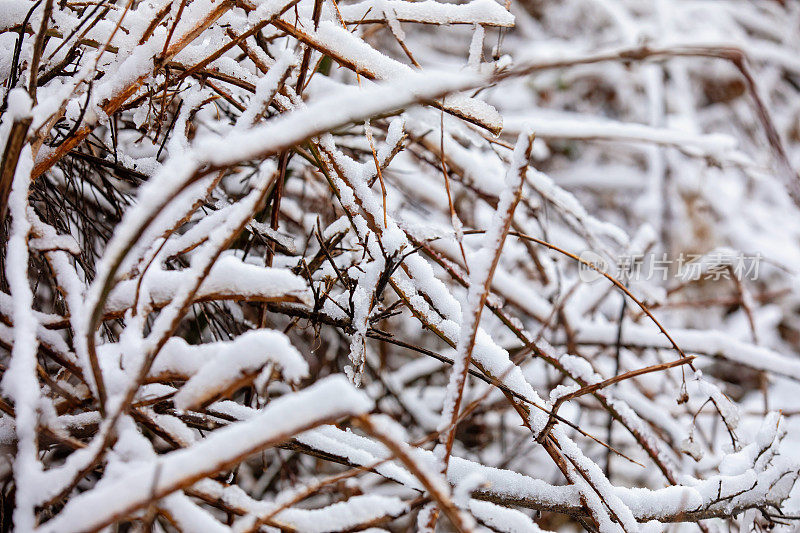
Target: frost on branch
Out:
[298,265]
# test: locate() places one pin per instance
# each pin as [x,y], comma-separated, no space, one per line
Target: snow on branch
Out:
[381,264]
[331,399]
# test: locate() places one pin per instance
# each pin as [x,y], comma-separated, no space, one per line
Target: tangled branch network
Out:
[394,265]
